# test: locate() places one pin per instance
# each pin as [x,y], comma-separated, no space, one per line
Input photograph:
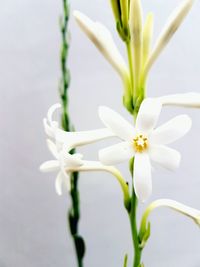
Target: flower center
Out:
[140,143]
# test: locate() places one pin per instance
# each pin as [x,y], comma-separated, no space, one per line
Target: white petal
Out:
[168,31]
[48,129]
[52,148]
[165,156]
[148,115]
[116,123]
[171,131]
[51,111]
[142,176]
[185,100]
[116,154]
[74,139]
[62,183]
[49,166]
[102,39]
[70,161]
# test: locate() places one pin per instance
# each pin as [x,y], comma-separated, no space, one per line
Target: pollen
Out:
[140,143]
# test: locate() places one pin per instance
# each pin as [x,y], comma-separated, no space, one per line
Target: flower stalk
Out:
[74,211]
[174,205]
[141,144]
[132,213]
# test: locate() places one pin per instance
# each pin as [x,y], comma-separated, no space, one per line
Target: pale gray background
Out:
[32,217]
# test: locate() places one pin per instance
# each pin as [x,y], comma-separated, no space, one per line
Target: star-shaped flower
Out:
[143,142]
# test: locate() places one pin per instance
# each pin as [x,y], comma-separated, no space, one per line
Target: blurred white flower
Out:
[71,139]
[143,142]
[62,143]
[64,163]
[102,39]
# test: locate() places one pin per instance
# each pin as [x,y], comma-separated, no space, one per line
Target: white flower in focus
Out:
[102,39]
[64,163]
[143,142]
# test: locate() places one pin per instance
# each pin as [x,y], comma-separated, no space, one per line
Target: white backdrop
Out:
[33,228]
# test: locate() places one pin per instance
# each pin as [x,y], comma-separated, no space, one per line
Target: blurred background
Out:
[33,228]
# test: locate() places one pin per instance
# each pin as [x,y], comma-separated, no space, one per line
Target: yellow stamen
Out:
[140,143]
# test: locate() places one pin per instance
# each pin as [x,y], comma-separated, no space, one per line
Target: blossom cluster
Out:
[143,142]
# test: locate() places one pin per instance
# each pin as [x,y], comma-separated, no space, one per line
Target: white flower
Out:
[71,139]
[143,142]
[64,163]
[102,39]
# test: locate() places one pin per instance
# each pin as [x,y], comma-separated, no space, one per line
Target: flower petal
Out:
[116,154]
[49,166]
[142,176]
[74,139]
[70,161]
[165,156]
[116,123]
[51,111]
[102,39]
[62,183]
[171,131]
[148,115]
[52,148]
[191,99]
[48,129]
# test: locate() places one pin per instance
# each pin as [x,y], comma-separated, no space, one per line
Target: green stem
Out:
[74,211]
[132,213]
[134,231]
